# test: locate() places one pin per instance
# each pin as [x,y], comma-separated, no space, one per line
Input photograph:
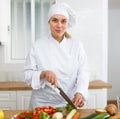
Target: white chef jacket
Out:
[67,59]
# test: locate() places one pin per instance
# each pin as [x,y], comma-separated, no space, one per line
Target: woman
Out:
[57,60]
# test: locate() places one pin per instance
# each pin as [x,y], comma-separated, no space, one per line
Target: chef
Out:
[57,59]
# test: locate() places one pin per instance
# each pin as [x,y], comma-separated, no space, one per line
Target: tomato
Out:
[38,109]
[37,113]
[26,114]
[50,110]
[18,117]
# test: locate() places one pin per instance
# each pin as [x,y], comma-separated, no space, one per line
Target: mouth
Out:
[58,31]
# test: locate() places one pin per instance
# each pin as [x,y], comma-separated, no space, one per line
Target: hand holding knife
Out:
[63,94]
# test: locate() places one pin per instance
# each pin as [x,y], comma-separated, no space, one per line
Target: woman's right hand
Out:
[50,77]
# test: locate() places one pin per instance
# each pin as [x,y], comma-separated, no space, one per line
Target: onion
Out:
[57,115]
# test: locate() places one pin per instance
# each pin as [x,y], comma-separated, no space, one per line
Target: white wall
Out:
[114,52]
[91,30]
[9,72]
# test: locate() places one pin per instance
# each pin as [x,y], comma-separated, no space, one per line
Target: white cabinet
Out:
[97,99]
[11,100]
[20,99]
[4,20]
[7,100]
[23,98]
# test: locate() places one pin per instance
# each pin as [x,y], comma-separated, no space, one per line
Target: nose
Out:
[59,24]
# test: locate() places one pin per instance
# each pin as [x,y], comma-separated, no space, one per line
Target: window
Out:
[28,23]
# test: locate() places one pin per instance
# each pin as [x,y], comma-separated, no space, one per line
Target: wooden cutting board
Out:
[84,112]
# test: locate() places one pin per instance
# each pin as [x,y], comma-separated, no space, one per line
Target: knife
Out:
[63,94]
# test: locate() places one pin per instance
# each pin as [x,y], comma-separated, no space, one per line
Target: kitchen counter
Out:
[16,95]
[11,86]
[9,113]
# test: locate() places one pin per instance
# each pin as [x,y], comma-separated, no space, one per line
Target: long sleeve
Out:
[83,74]
[32,72]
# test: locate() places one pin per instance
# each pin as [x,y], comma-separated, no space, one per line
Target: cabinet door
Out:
[97,99]
[4,21]
[7,100]
[23,99]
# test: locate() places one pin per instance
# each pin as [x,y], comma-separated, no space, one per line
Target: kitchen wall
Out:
[114,49]
[91,30]
[9,72]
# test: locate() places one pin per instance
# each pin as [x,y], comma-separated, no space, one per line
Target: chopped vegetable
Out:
[101,116]
[57,115]
[69,107]
[71,114]
[59,110]
[50,110]
[76,115]
[29,114]
[38,113]
[44,115]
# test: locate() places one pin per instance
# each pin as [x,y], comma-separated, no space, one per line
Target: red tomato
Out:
[50,110]
[37,108]
[18,117]
[35,114]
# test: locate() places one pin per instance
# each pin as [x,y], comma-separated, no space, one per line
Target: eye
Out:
[54,20]
[64,21]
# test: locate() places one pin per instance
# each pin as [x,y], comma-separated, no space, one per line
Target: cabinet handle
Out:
[8,28]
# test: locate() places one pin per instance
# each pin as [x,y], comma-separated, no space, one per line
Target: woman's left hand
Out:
[78,100]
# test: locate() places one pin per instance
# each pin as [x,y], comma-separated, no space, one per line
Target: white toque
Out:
[63,9]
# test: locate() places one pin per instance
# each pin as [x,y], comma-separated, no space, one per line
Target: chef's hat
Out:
[63,9]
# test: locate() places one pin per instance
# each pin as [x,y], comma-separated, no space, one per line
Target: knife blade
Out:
[64,95]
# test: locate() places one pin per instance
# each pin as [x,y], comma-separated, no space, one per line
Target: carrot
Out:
[71,114]
[76,115]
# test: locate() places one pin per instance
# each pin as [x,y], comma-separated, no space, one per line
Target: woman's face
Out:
[58,25]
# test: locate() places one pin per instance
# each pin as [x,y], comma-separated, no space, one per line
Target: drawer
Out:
[8,105]
[7,95]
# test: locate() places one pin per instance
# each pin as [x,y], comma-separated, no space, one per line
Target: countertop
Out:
[9,113]
[13,86]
